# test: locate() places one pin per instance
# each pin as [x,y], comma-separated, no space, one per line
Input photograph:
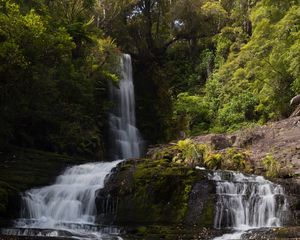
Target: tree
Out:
[53,76]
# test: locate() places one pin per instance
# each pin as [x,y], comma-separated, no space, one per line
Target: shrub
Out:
[190,152]
[271,165]
[213,160]
[237,160]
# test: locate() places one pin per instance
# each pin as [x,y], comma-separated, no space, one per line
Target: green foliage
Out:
[238,110]
[237,160]
[213,160]
[256,75]
[187,152]
[159,186]
[53,69]
[271,165]
[211,65]
[199,66]
[191,113]
[190,153]
[164,153]
[231,159]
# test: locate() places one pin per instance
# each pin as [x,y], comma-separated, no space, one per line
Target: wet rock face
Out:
[272,233]
[201,204]
[156,192]
[292,190]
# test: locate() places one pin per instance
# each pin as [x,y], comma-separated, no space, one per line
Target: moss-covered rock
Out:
[168,232]
[155,192]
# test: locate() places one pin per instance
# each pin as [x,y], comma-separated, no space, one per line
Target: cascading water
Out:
[247,202]
[68,204]
[126,141]
[67,208]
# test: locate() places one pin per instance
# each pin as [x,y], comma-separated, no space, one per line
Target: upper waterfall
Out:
[125,140]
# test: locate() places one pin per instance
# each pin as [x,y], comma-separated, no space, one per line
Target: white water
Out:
[71,199]
[67,208]
[126,141]
[68,204]
[247,202]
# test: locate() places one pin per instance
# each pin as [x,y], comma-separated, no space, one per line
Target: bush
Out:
[271,165]
[213,160]
[190,152]
[191,113]
[237,160]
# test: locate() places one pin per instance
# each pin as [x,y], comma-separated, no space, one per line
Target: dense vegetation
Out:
[217,65]
[200,66]
[53,65]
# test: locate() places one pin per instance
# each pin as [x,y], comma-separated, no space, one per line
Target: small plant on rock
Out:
[237,160]
[213,160]
[271,165]
[190,152]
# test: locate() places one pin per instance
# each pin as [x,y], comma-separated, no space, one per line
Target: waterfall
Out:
[67,208]
[247,202]
[67,204]
[125,137]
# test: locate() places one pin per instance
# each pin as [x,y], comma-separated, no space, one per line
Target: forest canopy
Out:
[54,63]
[199,66]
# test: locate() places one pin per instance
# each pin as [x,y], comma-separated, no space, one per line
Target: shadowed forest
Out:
[200,66]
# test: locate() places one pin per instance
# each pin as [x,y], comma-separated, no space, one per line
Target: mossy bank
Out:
[157,196]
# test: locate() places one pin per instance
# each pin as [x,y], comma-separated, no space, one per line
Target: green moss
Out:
[165,153]
[142,230]
[287,232]
[207,216]
[167,232]
[159,192]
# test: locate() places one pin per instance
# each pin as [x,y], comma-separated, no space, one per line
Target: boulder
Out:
[151,192]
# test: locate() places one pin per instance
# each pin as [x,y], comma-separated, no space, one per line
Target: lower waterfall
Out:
[67,206]
[247,202]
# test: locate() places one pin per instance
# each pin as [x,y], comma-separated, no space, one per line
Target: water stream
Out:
[67,207]
[124,136]
[247,202]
